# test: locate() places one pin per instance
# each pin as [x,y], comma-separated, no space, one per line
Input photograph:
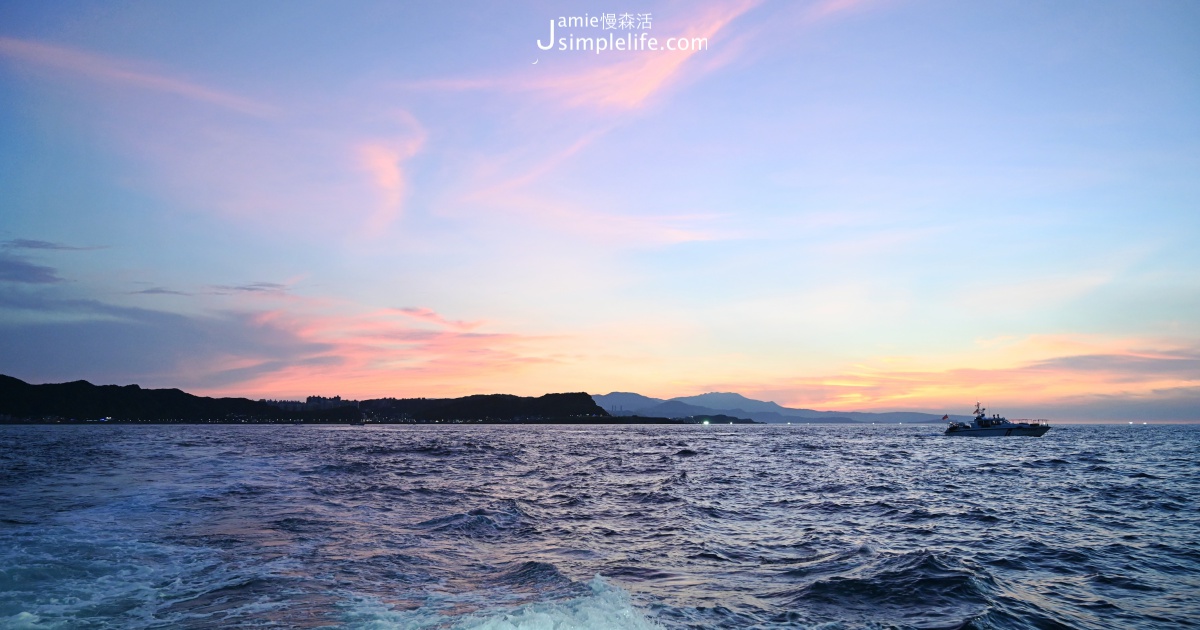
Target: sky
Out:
[831,204]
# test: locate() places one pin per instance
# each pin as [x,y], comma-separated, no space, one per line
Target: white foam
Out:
[607,606]
[26,621]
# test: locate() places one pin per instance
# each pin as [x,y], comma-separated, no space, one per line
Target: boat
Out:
[996,425]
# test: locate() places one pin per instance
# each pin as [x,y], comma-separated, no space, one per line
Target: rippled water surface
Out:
[597,527]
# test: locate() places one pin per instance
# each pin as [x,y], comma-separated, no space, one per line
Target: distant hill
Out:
[485,407]
[617,402]
[737,405]
[722,400]
[677,409]
[81,401]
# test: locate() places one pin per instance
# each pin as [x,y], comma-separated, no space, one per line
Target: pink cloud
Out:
[299,169]
[384,164]
[101,68]
[384,160]
[429,315]
[1099,370]
[630,79]
[631,82]
[297,176]
[514,196]
[623,79]
[378,353]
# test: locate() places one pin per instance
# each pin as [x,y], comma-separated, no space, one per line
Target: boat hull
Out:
[1001,431]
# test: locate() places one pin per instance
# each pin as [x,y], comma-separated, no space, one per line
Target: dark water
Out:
[504,527]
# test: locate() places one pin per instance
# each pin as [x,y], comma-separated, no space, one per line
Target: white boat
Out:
[982,425]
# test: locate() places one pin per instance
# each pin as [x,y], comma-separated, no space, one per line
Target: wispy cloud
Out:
[380,353]
[294,168]
[318,177]
[621,81]
[66,339]
[519,195]
[259,353]
[384,160]
[329,169]
[631,82]
[15,269]
[24,243]
[1130,373]
[429,315]
[158,291]
[274,166]
[252,287]
[108,69]
[1131,366]
[546,165]
[614,85]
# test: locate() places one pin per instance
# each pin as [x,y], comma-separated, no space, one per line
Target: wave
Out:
[69,578]
[506,518]
[448,528]
[922,588]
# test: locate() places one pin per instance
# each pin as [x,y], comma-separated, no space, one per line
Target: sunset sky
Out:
[838,204]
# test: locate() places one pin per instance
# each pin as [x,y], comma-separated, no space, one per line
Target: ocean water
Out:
[555,527]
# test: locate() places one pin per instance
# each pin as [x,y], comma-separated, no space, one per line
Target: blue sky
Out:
[843,204]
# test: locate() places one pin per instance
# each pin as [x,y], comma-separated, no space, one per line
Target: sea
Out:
[506,527]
